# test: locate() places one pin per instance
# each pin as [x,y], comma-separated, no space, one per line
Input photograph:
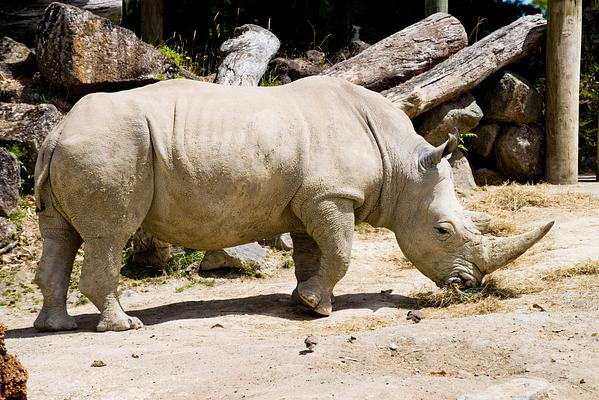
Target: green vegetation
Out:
[270,78]
[251,270]
[182,262]
[20,213]
[288,262]
[26,175]
[177,54]
[464,137]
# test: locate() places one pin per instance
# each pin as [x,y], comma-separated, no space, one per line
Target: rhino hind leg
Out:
[61,243]
[306,258]
[322,256]
[99,281]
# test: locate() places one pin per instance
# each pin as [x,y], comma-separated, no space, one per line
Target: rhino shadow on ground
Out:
[274,305]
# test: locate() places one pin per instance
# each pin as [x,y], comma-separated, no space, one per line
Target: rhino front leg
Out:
[99,281]
[322,257]
[61,243]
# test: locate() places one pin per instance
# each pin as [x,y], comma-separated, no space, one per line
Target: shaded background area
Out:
[198,28]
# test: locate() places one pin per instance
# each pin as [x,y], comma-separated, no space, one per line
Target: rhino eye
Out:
[441,230]
[444,230]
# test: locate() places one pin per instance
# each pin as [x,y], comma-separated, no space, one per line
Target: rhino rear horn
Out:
[429,158]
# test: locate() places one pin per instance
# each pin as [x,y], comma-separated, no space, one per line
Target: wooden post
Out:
[130,15]
[151,21]
[435,6]
[564,34]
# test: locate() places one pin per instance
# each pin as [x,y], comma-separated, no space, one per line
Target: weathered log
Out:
[19,19]
[404,54]
[434,6]
[470,66]
[247,56]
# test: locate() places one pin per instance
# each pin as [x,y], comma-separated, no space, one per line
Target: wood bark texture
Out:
[404,54]
[151,21]
[247,56]
[19,19]
[435,6]
[564,37]
[470,66]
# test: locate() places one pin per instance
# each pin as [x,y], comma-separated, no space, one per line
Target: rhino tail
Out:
[42,168]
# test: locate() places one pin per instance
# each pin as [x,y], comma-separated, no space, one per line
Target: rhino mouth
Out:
[465,274]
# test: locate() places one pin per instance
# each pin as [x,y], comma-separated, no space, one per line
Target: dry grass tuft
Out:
[589,267]
[514,197]
[481,300]
[453,294]
[503,227]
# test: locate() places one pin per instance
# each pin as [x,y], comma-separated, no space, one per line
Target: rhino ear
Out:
[429,158]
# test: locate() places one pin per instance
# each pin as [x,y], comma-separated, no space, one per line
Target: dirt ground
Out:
[242,339]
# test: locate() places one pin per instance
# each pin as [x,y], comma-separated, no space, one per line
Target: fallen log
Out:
[467,68]
[248,53]
[404,54]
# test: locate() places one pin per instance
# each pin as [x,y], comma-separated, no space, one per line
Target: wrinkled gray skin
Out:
[209,166]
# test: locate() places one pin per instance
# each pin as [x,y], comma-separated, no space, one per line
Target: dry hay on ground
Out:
[13,376]
[490,296]
[515,197]
[505,201]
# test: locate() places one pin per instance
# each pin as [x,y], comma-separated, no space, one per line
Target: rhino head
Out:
[439,236]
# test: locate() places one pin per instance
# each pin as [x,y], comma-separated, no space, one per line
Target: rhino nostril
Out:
[454,280]
[467,280]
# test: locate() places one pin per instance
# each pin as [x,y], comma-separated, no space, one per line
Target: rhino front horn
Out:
[498,252]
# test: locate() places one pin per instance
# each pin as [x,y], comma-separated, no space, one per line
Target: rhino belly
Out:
[213,211]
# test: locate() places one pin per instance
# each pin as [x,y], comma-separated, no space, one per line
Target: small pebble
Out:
[393,346]
[414,315]
[311,342]
[98,363]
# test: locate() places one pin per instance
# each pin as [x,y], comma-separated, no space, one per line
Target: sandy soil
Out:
[242,339]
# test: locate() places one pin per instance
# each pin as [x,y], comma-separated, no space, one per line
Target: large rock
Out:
[8,235]
[515,389]
[482,143]
[519,152]
[13,376]
[15,59]
[246,256]
[462,113]
[461,171]
[25,126]
[289,70]
[509,97]
[9,182]
[80,52]
[19,19]
[247,56]
[352,49]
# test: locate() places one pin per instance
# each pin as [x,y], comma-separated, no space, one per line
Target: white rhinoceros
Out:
[208,166]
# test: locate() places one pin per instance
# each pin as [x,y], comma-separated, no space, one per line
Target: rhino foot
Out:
[119,324]
[311,297]
[48,322]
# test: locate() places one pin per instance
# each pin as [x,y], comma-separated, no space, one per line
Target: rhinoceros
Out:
[207,166]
